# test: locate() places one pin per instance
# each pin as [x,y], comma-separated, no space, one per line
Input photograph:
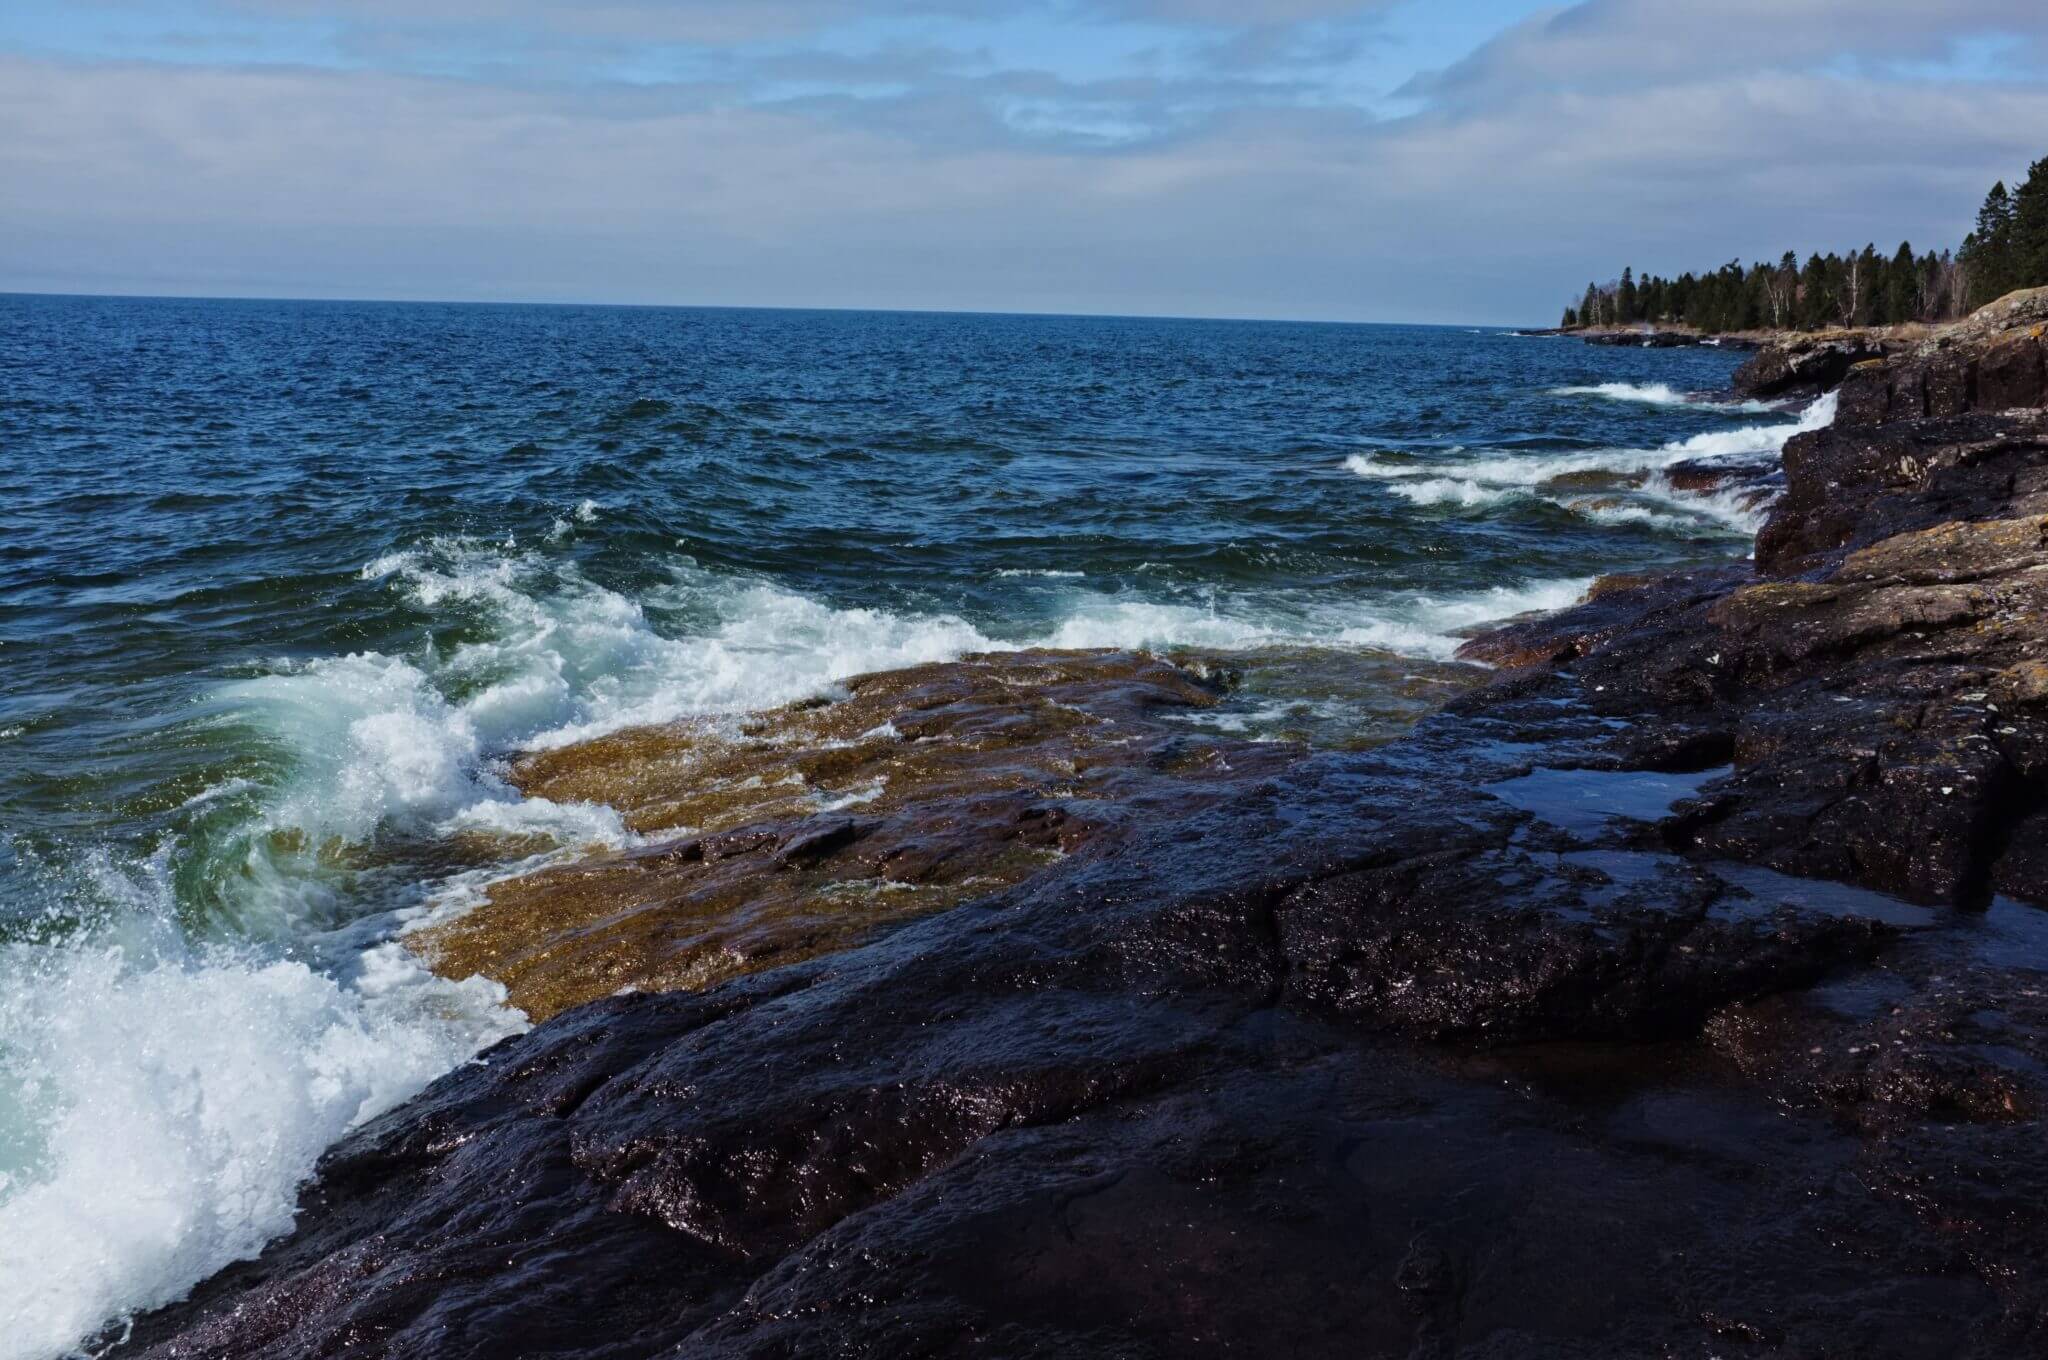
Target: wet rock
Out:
[1849,487]
[1162,1096]
[1612,606]
[1700,476]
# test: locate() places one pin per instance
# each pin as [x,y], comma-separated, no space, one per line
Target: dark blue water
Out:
[281,582]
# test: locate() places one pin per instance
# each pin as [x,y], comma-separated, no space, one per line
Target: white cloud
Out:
[1495,203]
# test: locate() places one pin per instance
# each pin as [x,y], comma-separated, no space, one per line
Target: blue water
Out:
[281,582]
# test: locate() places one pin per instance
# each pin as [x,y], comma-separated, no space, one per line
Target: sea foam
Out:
[1663,394]
[1496,479]
[175,1098]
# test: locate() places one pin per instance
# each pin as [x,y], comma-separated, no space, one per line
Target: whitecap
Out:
[1662,394]
[179,1099]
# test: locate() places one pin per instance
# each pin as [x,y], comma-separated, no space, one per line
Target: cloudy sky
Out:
[1427,160]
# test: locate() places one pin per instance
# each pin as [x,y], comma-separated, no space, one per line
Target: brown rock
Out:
[2023,683]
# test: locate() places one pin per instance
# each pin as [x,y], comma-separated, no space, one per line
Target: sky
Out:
[1458,161]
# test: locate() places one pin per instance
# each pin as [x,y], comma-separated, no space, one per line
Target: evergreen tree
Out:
[1902,287]
[1816,298]
[2007,250]
[2029,233]
[1988,251]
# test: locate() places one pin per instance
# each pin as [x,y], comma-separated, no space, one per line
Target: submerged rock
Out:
[801,830]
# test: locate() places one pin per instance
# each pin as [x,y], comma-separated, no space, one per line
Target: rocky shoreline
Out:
[1682,991]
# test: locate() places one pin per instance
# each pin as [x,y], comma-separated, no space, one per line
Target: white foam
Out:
[1660,394]
[1456,491]
[1499,478]
[1105,621]
[1047,573]
[1435,626]
[377,740]
[1738,510]
[178,1101]
[1756,439]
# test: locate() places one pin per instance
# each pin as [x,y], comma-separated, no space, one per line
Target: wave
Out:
[1758,439]
[174,1098]
[1435,626]
[1663,394]
[1458,491]
[1421,624]
[1634,489]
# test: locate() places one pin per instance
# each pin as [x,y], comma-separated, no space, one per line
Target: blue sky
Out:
[1466,160]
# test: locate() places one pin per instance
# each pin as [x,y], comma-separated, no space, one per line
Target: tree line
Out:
[2007,250]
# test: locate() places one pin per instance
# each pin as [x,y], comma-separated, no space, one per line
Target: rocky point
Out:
[1683,991]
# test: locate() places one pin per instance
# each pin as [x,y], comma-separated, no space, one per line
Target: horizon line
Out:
[743,307]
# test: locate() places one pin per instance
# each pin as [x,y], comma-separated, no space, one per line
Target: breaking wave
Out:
[1619,486]
[1663,394]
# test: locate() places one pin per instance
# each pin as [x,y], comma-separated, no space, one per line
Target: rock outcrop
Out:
[1807,364]
[1679,993]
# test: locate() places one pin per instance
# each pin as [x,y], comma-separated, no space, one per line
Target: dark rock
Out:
[1865,395]
[1950,384]
[1643,339]
[1849,487]
[1906,394]
[1806,363]
[1165,1097]
[2009,374]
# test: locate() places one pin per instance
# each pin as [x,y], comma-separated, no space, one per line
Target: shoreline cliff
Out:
[1682,990]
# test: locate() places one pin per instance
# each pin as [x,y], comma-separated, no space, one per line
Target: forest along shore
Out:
[1685,987]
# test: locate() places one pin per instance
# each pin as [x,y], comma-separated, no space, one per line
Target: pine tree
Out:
[1988,251]
[2028,261]
[1901,287]
[2007,250]
[1816,298]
